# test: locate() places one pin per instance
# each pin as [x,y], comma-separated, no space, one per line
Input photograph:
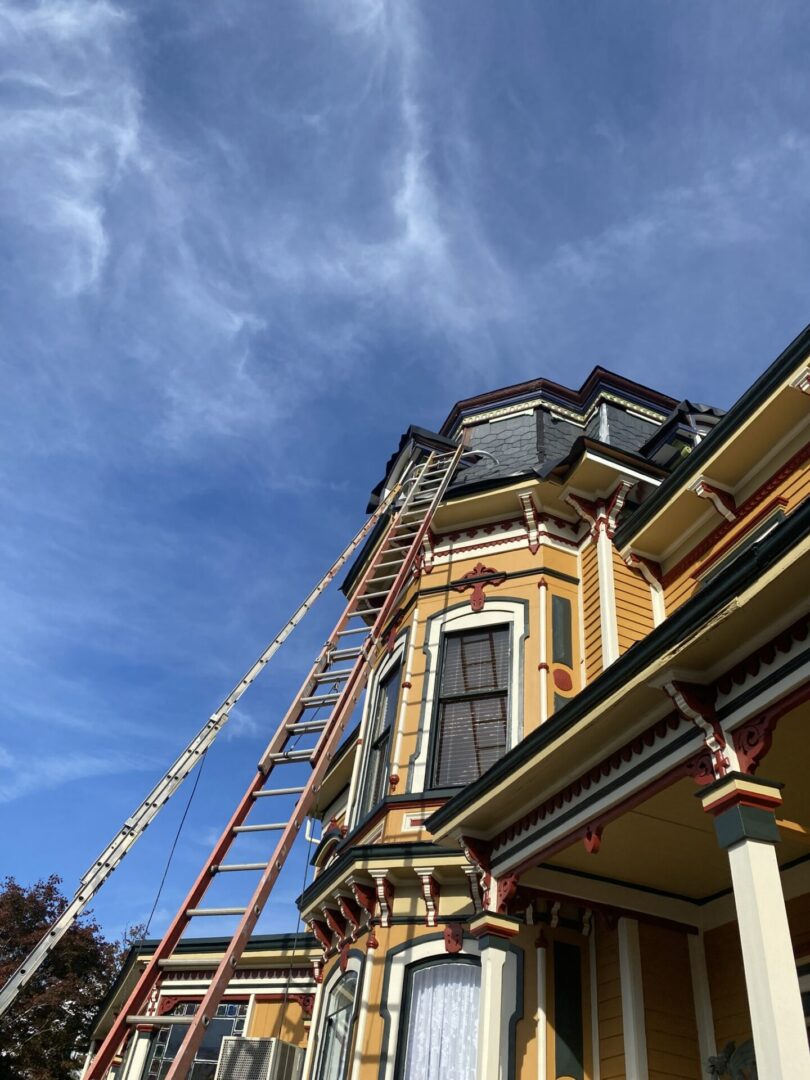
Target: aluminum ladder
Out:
[321,709]
[135,825]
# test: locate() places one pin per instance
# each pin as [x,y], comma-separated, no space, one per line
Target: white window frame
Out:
[513,613]
[353,966]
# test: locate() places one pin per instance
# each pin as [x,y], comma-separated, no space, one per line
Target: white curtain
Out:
[442,1022]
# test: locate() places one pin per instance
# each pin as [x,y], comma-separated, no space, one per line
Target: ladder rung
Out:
[277,791]
[345,633]
[273,826]
[332,676]
[195,912]
[373,595]
[347,654]
[318,700]
[233,867]
[159,1021]
[288,757]
[306,726]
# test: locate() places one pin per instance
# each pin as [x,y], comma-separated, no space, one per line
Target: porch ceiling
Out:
[668,843]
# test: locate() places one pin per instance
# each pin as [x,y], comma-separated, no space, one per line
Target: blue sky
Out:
[243,245]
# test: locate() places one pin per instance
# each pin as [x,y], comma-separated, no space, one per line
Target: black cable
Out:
[174,846]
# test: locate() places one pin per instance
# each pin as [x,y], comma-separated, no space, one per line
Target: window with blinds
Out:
[473,705]
[380,729]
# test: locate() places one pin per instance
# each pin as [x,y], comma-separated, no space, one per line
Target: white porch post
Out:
[635,1034]
[498,1001]
[134,1065]
[744,821]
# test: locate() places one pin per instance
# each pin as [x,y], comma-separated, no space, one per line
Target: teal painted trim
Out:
[687,619]
[333,873]
[753,397]
[746,823]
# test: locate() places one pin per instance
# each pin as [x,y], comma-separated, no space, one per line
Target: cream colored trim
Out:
[607,598]
[702,997]
[635,1035]
[559,411]
[541,1015]
[544,661]
[362,1018]
[396,766]
[594,996]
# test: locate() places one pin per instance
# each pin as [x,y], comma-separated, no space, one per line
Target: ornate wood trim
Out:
[477,579]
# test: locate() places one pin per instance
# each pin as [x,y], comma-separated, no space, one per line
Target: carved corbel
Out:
[802,381]
[506,893]
[472,874]
[430,894]
[428,551]
[350,912]
[530,517]
[322,934]
[385,895]
[649,570]
[477,853]
[364,894]
[335,921]
[722,501]
[696,703]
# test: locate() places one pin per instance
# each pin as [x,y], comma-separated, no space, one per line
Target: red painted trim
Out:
[764,654]
[752,740]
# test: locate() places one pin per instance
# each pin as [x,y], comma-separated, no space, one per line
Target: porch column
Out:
[133,1066]
[633,1020]
[743,808]
[501,973]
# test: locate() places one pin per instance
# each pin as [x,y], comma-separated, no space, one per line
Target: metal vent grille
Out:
[258,1059]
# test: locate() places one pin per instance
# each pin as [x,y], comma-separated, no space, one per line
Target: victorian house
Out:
[569,837]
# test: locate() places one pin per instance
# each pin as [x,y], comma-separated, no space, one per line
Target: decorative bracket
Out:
[601,513]
[649,570]
[802,381]
[695,702]
[385,895]
[477,579]
[430,893]
[350,912]
[722,501]
[530,517]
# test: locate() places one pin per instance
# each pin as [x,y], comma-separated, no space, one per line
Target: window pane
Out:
[441,1036]
[561,639]
[475,661]
[471,737]
[376,783]
[337,1029]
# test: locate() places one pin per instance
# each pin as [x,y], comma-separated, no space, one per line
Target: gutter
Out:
[750,401]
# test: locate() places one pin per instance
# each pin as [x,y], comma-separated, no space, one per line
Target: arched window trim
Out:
[397,962]
[502,611]
[445,959]
[353,967]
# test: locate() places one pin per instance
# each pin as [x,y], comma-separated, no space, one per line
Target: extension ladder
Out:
[136,823]
[334,684]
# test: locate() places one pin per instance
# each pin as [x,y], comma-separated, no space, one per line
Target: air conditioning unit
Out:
[259,1059]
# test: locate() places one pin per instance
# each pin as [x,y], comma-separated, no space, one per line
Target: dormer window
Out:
[473,705]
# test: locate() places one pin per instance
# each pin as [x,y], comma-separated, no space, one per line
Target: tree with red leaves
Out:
[45,1033]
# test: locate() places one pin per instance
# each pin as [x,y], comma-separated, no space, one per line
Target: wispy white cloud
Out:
[52,771]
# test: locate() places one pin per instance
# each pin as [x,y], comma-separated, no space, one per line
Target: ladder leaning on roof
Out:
[341,669]
[160,794]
